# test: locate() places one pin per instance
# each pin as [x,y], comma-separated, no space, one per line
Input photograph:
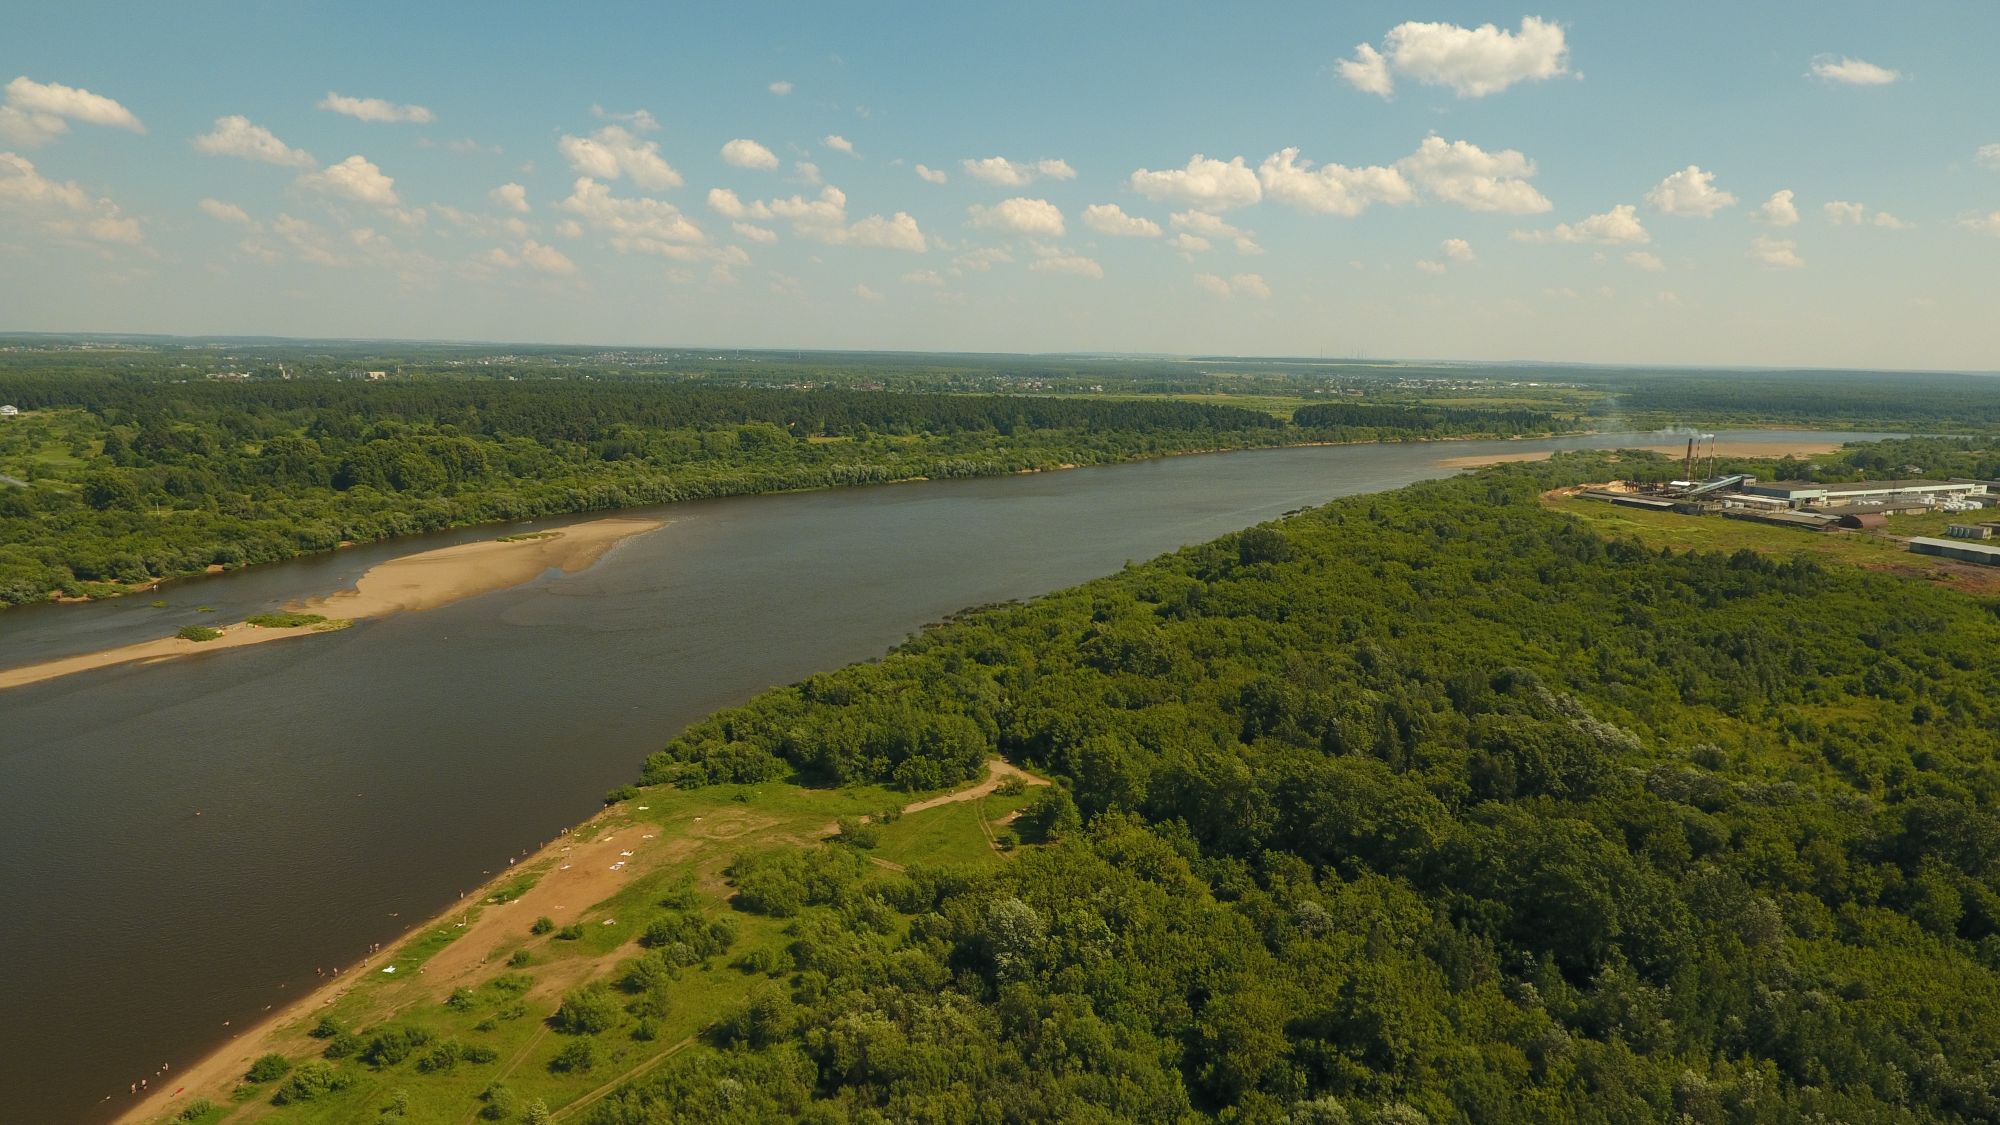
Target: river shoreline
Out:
[1676,449]
[174,581]
[421,581]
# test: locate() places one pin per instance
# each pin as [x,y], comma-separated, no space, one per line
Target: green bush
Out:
[267,1068]
[578,1057]
[312,1080]
[197,633]
[520,958]
[392,1045]
[622,793]
[542,925]
[857,833]
[586,1011]
[571,932]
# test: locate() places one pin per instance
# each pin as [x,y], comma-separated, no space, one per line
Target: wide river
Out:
[185,843]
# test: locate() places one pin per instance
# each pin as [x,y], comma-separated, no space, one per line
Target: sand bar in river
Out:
[425,580]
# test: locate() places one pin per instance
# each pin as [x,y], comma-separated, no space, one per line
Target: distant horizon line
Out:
[1330,361]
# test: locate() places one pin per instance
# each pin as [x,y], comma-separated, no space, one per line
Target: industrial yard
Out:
[1931,541]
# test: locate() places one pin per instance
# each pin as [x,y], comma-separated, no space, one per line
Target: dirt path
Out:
[997,770]
[587,1100]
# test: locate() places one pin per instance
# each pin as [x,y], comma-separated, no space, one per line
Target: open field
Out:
[478,975]
[425,580]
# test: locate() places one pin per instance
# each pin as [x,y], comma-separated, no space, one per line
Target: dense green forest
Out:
[1424,806]
[128,476]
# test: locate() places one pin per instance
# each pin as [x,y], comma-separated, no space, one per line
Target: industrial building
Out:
[1956,549]
[1808,494]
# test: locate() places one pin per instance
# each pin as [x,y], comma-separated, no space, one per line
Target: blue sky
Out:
[1458,190]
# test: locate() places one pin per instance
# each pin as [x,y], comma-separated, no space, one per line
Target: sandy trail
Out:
[1670,449]
[425,580]
[997,771]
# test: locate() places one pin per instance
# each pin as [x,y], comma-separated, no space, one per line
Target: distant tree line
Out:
[134,476]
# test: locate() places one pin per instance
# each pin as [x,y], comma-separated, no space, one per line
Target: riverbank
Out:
[578,874]
[1668,449]
[421,581]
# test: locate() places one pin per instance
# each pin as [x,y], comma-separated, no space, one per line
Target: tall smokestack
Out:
[1688,471]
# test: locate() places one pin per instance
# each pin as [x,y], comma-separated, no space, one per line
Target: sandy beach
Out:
[425,580]
[1669,449]
[573,873]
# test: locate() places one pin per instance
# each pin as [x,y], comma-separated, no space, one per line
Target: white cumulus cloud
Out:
[1841,212]
[615,151]
[1458,250]
[1645,260]
[824,219]
[1689,191]
[838,143]
[236,136]
[1775,253]
[1852,72]
[1472,61]
[1618,226]
[1209,184]
[33,113]
[1988,223]
[1778,211]
[638,225]
[780,87]
[61,208]
[1020,216]
[1071,264]
[1988,156]
[377,110]
[354,178]
[225,212]
[1462,173]
[754,233]
[1010,173]
[1241,285]
[862,291]
[1111,219]
[1331,189]
[1367,71]
[547,259]
[931,175]
[513,197]
[745,153]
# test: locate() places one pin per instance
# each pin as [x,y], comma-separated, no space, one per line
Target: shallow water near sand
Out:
[187,842]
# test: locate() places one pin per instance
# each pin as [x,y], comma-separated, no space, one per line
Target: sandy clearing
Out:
[425,580]
[1670,449]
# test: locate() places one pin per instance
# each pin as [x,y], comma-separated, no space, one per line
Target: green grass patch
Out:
[527,535]
[198,633]
[284,620]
